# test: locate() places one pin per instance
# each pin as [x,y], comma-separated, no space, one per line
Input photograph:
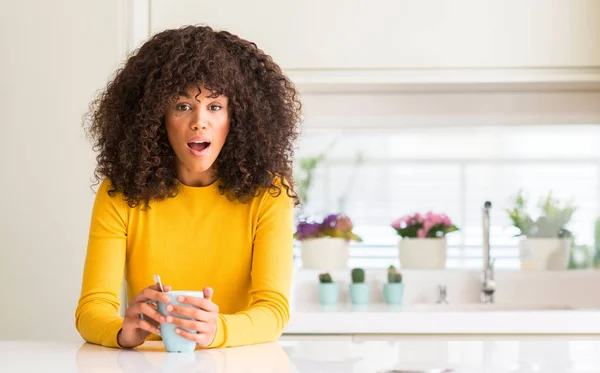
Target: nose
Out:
[197,121]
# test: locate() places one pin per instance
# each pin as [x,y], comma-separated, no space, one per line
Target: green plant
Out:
[325,278]
[551,222]
[307,167]
[597,242]
[358,275]
[393,275]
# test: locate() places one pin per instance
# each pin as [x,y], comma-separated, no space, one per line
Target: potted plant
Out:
[359,290]
[393,290]
[325,244]
[328,290]
[546,241]
[423,244]
[597,243]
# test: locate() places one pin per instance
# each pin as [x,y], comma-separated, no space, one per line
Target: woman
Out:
[195,137]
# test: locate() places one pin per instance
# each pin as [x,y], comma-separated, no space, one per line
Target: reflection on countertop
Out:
[151,357]
[565,354]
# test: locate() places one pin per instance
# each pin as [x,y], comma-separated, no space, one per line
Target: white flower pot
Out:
[538,254]
[325,253]
[422,253]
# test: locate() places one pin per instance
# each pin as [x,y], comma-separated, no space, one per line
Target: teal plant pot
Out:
[328,293]
[393,292]
[359,293]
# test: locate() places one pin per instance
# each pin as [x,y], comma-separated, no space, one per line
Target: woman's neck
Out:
[197,179]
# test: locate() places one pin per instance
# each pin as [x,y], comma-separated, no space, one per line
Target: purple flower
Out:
[333,225]
[308,230]
[330,221]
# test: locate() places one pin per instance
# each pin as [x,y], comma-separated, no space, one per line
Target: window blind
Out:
[451,170]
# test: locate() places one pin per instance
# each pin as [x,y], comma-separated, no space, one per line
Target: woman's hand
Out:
[203,320]
[135,330]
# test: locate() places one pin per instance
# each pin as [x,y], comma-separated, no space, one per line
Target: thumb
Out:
[208,292]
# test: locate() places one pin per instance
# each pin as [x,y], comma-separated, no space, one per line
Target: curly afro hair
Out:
[126,120]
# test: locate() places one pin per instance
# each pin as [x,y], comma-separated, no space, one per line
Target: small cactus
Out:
[325,278]
[393,275]
[358,275]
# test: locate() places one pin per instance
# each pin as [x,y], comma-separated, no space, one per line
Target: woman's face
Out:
[197,126]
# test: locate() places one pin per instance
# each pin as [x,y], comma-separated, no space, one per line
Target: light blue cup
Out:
[173,341]
[393,293]
[359,293]
[328,293]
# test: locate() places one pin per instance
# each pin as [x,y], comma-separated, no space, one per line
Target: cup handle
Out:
[148,301]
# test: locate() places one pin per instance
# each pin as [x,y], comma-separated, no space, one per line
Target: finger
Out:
[154,323]
[166,288]
[184,323]
[203,339]
[192,313]
[187,335]
[205,304]
[151,312]
[151,294]
[208,292]
[145,325]
[156,287]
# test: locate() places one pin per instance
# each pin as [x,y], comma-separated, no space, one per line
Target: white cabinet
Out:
[406,34]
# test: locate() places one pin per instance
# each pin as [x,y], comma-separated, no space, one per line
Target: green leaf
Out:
[551,222]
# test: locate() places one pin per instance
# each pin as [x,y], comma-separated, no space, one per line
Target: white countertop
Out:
[525,302]
[438,319]
[311,356]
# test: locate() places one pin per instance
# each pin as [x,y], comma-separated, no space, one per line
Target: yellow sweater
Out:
[197,239]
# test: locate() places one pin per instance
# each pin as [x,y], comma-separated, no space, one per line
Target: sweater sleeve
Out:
[271,275]
[97,317]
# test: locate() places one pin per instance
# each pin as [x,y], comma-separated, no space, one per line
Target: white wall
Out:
[383,34]
[55,55]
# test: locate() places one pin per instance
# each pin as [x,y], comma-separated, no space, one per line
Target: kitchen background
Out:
[411,105]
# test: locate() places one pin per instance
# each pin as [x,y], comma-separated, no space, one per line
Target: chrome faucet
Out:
[442,295]
[488,285]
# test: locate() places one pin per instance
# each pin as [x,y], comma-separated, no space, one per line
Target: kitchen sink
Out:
[478,307]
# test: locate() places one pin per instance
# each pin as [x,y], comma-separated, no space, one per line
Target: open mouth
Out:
[198,147]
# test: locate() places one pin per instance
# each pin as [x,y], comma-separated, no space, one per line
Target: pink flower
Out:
[345,224]
[427,226]
[432,218]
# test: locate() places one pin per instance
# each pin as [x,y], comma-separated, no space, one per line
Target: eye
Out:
[215,107]
[183,107]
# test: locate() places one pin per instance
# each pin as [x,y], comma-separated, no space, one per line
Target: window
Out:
[454,170]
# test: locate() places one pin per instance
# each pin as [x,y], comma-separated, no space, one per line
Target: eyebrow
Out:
[190,97]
